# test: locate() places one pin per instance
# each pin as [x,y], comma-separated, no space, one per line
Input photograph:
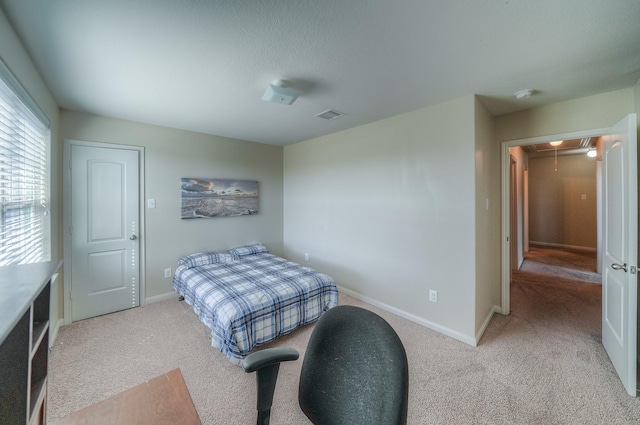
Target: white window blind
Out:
[24,181]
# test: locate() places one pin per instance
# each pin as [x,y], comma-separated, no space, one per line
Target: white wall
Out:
[17,59]
[171,154]
[388,209]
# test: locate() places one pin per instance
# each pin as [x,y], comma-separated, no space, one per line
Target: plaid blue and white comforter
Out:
[250,300]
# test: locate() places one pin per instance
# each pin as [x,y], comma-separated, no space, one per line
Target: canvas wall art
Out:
[207,198]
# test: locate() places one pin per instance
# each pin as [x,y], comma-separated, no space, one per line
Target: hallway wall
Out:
[562,202]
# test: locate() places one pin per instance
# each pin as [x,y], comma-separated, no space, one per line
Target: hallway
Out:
[560,289]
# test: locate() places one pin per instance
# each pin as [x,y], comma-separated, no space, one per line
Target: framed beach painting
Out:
[207,198]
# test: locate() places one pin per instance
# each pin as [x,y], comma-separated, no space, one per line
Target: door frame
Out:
[513,202]
[66,179]
[506,201]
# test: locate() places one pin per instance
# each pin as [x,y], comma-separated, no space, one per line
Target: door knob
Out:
[616,266]
[133,237]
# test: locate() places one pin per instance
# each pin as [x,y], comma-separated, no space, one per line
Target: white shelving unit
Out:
[25,297]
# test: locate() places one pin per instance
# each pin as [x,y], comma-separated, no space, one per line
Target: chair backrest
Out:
[354,371]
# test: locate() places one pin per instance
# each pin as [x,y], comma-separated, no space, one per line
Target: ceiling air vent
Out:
[329,114]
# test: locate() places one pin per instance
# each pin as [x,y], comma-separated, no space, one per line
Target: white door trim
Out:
[506,200]
[66,179]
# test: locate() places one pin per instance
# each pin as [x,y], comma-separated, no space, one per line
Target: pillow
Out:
[241,251]
[203,258]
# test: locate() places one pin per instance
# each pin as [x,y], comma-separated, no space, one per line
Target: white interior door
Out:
[105,275]
[620,242]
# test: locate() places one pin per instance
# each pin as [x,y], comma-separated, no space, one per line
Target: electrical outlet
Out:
[433,296]
[306,256]
[167,273]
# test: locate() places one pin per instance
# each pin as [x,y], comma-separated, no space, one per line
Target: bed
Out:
[248,296]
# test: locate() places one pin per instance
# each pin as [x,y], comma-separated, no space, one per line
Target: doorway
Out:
[555,204]
[619,240]
[522,239]
[103,221]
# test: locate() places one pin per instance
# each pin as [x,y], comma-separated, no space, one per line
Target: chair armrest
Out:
[267,357]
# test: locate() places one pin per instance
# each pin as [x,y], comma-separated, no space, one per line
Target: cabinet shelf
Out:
[25,297]
[39,331]
[37,394]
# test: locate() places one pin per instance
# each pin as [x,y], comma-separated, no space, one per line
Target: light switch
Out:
[151,203]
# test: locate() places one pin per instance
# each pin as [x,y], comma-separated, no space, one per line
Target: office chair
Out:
[354,371]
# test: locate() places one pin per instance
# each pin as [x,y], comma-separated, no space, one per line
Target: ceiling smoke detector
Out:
[280,92]
[523,94]
[329,114]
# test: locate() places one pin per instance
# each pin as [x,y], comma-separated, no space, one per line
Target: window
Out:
[24,178]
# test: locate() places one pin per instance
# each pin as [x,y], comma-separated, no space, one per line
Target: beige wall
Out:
[391,209]
[171,154]
[17,59]
[636,99]
[558,214]
[521,218]
[487,198]
[388,209]
[587,113]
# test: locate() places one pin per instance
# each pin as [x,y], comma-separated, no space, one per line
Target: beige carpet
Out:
[555,262]
[566,258]
[543,364]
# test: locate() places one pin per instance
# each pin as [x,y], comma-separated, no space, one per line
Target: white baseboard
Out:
[487,319]
[53,333]
[426,323]
[559,245]
[415,319]
[161,297]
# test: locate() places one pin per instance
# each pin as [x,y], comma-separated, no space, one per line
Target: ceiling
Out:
[203,65]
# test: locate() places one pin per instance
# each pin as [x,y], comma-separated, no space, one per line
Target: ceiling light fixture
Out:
[280,92]
[555,148]
[524,94]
